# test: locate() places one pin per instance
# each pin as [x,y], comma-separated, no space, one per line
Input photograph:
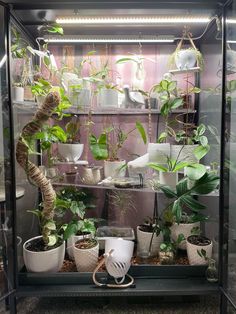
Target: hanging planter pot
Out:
[185,229]
[168,178]
[144,237]
[86,254]
[158,152]
[185,59]
[183,153]
[18,93]
[42,261]
[114,168]
[195,244]
[70,152]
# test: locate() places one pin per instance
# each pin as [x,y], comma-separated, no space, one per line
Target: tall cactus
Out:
[22,156]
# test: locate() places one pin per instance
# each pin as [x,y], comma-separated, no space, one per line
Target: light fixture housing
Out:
[133,19]
[109,39]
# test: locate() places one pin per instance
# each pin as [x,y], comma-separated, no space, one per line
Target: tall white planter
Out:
[158,152]
[18,93]
[86,259]
[46,261]
[144,239]
[184,229]
[70,152]
[168,178]
[112,168]
[186,154]
[193,256]
[108,98]
[185,59]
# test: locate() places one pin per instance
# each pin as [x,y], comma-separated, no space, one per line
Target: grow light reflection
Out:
[132,20]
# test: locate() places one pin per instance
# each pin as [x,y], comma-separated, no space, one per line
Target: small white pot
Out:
[70,152]
[193,256]
[144,239]
[187,153]
[185,59]
[168,178]
[184,229]
[158,152]
[17,93]
[91,175]
[86,259]
[112,168]
[46,261]
[108,98]
[71,241]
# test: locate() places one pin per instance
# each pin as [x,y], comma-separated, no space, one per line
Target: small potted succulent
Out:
[106,147]
[71,150]
[18,92]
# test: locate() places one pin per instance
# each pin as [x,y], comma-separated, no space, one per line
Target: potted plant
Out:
[149,237]
[71,149]
[18,92]
[168,249]
[44,252]
[106,147]
[199,249]
[40,89]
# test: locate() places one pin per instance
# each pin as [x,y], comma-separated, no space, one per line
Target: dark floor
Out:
[184,305]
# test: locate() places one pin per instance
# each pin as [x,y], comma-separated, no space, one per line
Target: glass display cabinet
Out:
[117,134]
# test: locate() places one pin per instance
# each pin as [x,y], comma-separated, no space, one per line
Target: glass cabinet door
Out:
[228,274]
[7,186]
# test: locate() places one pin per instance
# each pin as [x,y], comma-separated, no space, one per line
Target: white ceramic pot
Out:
[112,168]
[184,229]
[46,261]
[71,241]
[108,98]
[70,152]
[185,59]
[121,256]
[187,153]
[17,93]
[144,238]
[91,175]
[158,152]
[193,256]
[168,178]
[86,259]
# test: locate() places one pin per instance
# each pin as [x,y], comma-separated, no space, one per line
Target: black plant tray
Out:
[137,271]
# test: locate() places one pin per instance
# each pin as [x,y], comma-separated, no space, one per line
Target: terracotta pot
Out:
[46,261]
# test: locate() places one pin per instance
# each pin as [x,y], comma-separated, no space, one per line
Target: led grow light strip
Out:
[132,20]
[109,39]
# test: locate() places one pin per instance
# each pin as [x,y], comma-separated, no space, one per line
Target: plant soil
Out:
[146,228]
[38,245]
[198,240]
[85,244]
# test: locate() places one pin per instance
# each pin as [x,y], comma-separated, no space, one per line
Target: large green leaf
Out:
[98,146]
[172,86]
[195,171]
[206,184]
[192,203]
[157,167]
[182,187]
[177,210]
[141,130]
[70,230]
[176,103]
[168,191]
[201,151]
[180,165]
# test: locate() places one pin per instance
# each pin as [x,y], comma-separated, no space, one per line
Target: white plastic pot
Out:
[184,229]
[71,241]
[70,152]
[186,154]
[144,238]
[91,175]
[158,152]
[108,98]
[112,168]
[46,261]
[168,178]
[193,256]
[185,59]
[17,93]
[86,259]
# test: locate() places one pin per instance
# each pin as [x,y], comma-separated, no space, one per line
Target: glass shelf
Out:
[190,70]
[29,107]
